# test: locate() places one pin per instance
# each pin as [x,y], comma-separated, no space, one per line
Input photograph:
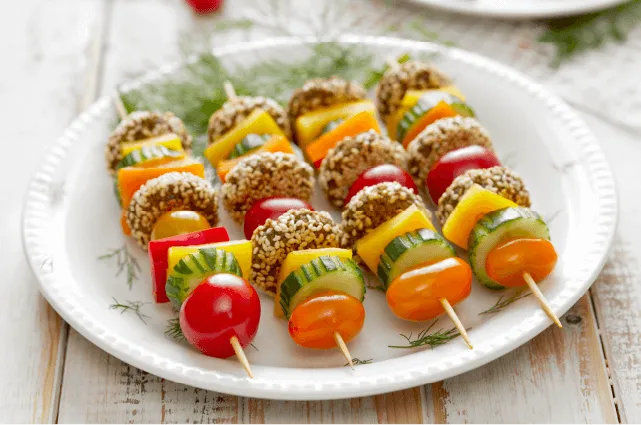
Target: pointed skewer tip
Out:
[343,347]
[240,354]
[230,91]
[541,298]
[120,107]
[454,317]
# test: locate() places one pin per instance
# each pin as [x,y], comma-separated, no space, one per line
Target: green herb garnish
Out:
[356,361]
[130,306]
[376,75]
[574,35]
[124,261]
[433,339]
[502,303]
[173,329]
[195,92]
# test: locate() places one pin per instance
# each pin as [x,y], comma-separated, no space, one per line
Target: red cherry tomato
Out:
[205,6]
[380,174]
[272,208]
[453,164]
[222,306]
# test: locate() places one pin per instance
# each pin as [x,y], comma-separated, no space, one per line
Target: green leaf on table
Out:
[574,35]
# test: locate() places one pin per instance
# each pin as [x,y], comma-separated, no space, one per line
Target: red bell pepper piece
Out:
[158,255]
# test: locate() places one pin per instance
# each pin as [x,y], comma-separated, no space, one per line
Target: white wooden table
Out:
[60,55]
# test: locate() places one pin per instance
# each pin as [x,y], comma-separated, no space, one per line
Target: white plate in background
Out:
[521,9]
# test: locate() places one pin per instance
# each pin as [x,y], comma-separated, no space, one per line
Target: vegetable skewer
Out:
[317,286]
[245,126]
[443,149]
[420,272]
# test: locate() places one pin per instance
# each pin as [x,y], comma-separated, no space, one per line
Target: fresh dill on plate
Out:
[425,338]
[502,303]
[133,306]
[125,262]
[173,329]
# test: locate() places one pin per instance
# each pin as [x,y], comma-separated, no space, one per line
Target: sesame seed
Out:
[508,184]
[353,155]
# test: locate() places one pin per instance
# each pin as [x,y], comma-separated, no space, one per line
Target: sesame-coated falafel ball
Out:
[353,155]
[234,111]
[374,205]
[411,75]
[142,125]
[295,230]
[323,92]
[441,137]
[264,175]
[500,180]
[175,191]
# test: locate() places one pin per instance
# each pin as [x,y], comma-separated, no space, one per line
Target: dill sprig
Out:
[376,74]
[130,306]
[196,91]
[356,361]
[502,303]
[173,329]
[574,35]
[433,339]
[125,262]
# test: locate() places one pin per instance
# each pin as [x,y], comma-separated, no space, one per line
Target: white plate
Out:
[521,9]
[71,218]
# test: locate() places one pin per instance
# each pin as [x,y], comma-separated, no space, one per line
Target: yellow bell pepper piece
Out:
[258,122]
[371,246]
[410,99]
[309,126]
[474,204]
[169,140]
[295,260]
[241,249]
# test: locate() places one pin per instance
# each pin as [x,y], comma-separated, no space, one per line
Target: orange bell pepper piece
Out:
[441,110]
[356,124]
[277,143]
[130,179]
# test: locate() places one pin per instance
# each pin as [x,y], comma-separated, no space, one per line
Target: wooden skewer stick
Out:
[240,353]
[229,90]
[459,326]
[343,347]
[120,107]
[544,303]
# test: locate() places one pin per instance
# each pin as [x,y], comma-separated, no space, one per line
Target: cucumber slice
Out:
[424,105]
[410,250]
[331,125]
[325,273]
[191,270]
[499,226]
[463,109]
[147,153]
[249,143]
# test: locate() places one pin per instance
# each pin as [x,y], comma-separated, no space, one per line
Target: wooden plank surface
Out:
[557,377]
[48,58]
[617,293]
